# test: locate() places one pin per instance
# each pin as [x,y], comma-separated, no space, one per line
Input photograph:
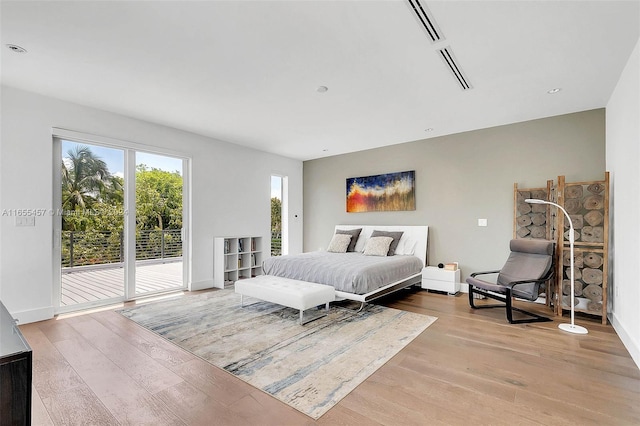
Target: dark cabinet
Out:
[15,373]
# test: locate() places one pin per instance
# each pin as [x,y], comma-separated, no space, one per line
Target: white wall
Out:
[230,191]
[459,179]
[623,161]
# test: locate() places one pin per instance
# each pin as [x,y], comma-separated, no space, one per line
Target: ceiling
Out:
[247,72]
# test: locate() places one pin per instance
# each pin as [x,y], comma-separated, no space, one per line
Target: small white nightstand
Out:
[434,278]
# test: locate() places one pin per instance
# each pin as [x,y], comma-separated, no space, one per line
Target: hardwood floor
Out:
[470,367]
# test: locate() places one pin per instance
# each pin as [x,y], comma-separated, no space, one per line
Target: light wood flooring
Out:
[468,368]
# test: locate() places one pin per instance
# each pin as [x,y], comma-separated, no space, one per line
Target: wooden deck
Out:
[105,283]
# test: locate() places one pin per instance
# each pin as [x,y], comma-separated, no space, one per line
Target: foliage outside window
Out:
[276,226]
[93,211]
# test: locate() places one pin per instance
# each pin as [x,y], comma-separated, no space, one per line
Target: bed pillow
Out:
[377,246]
[339,243]
[355,233]
[394,235]
[407,246]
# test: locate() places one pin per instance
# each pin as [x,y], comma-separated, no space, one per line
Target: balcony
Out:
[93,264]
[276,243]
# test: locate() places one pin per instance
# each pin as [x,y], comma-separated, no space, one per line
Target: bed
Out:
[354,275]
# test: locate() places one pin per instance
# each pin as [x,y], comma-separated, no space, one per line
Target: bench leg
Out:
[315,317]
[242,300]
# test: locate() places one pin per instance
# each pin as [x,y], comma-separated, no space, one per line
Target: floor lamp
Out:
[571,328]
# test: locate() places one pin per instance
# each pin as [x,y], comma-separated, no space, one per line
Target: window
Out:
[276,215]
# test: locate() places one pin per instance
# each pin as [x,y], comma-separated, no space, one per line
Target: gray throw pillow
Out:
[396,239]
[355,233]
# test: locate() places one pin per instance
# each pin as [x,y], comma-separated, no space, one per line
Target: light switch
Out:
[25,221]
[482,222]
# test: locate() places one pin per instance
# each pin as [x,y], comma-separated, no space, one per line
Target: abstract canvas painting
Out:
[388,192]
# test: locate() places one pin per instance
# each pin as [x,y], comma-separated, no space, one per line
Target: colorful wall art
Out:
[388,192]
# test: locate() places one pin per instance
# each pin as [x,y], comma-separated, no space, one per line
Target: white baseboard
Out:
[200,285]
[33,315]
[464,288]
[627,341]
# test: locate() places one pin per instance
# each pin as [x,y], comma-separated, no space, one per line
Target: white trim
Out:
[186,222]
[284,193]
[113,143]
[33,315]
[76,307]
[201,285]
[627,340]
[56,238]
[129,224]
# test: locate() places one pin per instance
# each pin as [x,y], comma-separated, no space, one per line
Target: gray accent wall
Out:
[460,178]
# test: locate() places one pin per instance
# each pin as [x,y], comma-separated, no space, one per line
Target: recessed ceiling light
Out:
[16,48]
[322,89]
[552,91]
[430,129]
[325,150]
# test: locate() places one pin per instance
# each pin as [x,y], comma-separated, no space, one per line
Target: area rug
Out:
[309,367]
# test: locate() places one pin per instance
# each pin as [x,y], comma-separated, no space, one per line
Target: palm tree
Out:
[86,182]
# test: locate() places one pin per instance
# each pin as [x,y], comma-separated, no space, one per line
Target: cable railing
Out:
[81,248]
[276,243]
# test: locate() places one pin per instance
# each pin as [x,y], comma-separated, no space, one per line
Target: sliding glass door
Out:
[104,253]
[159,227]
[91,216]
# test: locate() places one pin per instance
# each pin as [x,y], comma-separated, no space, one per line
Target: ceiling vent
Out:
[428,22]
[456,70]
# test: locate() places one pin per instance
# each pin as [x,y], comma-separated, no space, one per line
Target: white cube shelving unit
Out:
[235,258]
[434,278]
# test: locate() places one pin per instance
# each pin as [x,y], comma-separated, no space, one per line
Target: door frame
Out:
[130,149]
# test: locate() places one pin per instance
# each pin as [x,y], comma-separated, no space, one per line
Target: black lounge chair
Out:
[530,264]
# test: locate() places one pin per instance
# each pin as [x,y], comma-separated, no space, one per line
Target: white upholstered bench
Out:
[294,294]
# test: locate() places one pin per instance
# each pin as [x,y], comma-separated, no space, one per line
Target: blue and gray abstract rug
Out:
[309,367]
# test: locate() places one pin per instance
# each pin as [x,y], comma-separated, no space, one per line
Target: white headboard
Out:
[414,236]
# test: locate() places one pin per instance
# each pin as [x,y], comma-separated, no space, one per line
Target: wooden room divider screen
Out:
[587,203]
[588,206]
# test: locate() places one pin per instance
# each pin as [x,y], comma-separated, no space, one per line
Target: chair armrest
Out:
[539,280]
[516,283]
[484,273]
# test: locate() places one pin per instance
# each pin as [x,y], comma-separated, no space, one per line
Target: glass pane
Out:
[276,215]
[159,187]
[92,223]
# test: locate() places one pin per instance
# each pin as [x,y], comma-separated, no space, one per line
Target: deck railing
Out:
[276,243]
[80,248]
